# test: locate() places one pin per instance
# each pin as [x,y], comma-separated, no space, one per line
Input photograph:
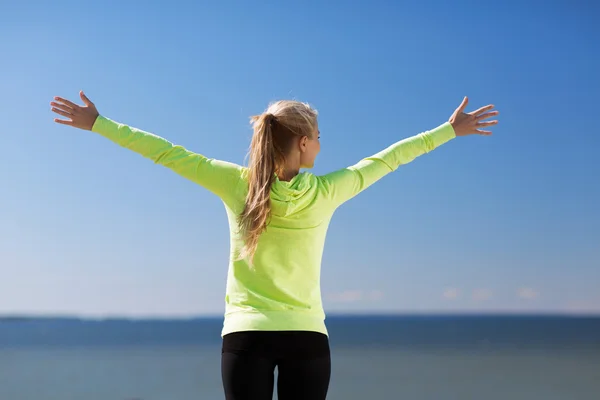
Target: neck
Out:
[287,174]
[290,169]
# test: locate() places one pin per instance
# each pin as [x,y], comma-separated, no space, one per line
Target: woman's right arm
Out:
[344,184]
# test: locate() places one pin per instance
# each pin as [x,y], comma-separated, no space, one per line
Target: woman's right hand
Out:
[79,117]
[470,123]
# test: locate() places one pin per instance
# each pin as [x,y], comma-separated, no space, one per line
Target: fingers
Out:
[486,115]
[462,106]
[482,109]
[82,117]
[67,103]
[62,112]
[469,123]
[84,98]
[487,123]
[64,122]
[62,107]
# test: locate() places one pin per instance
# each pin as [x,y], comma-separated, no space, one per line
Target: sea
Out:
[414,357]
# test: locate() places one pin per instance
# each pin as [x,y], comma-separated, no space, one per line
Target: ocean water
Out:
[395,357]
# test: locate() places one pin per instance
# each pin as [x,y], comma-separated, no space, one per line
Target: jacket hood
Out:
[288,198]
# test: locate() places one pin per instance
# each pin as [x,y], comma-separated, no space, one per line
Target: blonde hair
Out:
[272,140]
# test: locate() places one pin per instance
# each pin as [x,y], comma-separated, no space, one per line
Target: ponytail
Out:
[275,133]
[261,175]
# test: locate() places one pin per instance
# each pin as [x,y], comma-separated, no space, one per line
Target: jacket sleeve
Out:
[219,177]
[344,184]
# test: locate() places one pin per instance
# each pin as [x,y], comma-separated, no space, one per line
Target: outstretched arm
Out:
[220,177]
[346,183]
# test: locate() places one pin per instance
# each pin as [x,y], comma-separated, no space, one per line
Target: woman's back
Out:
[280,289]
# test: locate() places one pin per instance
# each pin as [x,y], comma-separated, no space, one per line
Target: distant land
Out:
[475,331]
[330,316]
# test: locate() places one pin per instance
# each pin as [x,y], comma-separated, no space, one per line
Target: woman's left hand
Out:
[82,117]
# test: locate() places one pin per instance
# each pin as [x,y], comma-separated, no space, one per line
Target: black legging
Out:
[248,361]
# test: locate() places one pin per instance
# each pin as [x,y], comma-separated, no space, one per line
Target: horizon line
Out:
[334,315]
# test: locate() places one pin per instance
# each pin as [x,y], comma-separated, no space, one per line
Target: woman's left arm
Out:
[219,177]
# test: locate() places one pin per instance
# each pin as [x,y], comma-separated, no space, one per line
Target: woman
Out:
[278,219]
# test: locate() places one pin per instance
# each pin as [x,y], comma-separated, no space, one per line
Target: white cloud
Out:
[347,296]
[528,293]
[451,293]
[482,294]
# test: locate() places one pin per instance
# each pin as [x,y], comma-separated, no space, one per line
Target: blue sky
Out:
[482,224]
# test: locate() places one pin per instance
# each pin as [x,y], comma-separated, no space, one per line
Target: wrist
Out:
[456,128]
[95,121]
